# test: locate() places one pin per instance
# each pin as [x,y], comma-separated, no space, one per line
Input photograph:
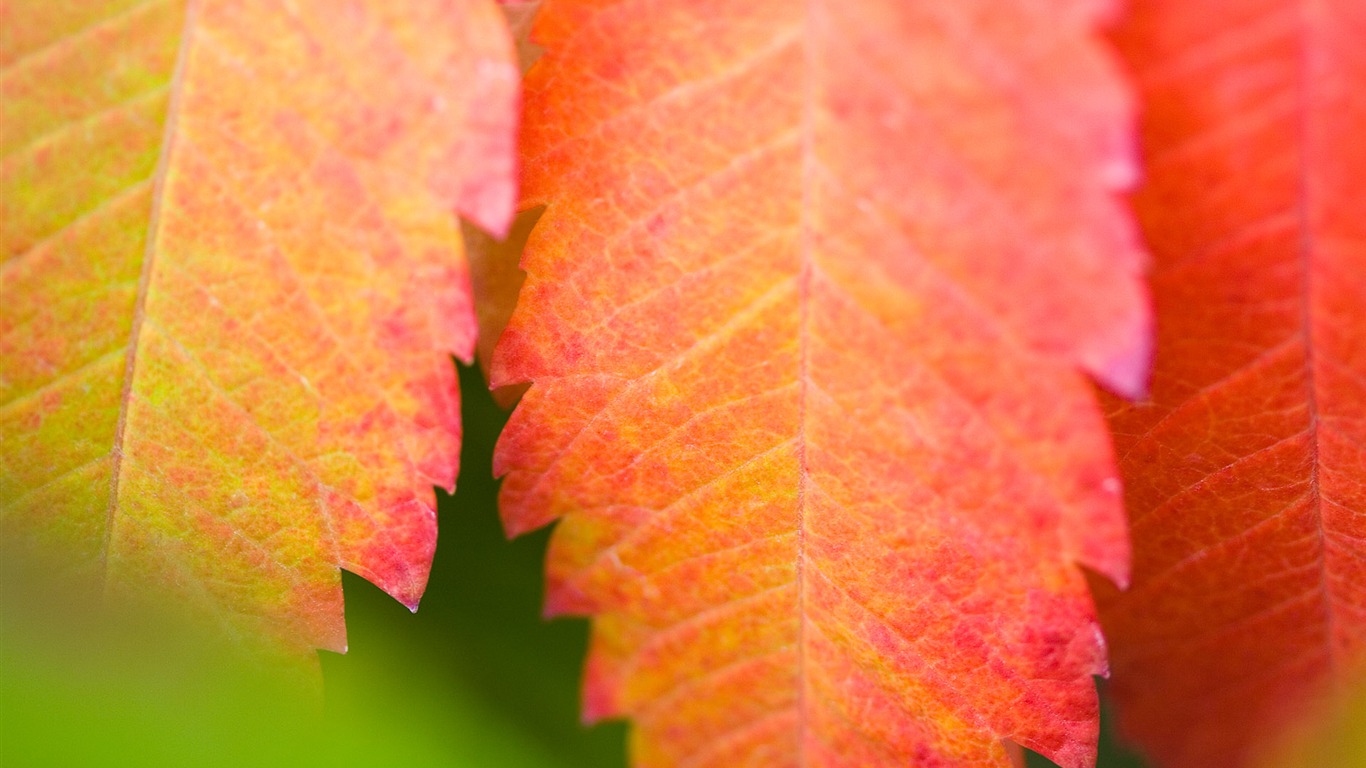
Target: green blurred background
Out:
[475,679]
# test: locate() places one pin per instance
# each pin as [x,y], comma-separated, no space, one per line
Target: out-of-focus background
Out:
[475,679]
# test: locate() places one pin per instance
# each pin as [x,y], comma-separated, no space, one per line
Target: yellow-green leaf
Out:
[232,281]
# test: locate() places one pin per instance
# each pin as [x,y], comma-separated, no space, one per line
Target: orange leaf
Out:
[232,281]
[495,281]
[804,317]
[495,276]
[1246,473]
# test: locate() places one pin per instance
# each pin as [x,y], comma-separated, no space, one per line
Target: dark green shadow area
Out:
[476,677]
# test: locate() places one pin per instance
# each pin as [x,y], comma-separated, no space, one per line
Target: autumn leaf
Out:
[1246,471]
[496,280]
[232,282]
[495,276]
[806,318]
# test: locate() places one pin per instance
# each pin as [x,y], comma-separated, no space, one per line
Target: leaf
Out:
[804,317]
[1246,472]
[496,280]
[232,283]
[495,277]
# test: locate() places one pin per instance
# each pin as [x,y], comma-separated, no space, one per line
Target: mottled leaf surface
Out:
[807,318]
[1246,472]
[232,282]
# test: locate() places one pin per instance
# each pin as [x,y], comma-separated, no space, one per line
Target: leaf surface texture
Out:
[232,281]
[1246,472]
[807,318]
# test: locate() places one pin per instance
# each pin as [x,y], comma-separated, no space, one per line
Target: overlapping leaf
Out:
[804,318]
[232,280]
[1246,473]
[495,276]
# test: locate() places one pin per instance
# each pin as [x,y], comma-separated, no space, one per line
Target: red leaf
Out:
[1246,473]
[804,317]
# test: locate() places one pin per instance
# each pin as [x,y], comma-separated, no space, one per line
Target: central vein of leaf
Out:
[145,278]
[1304,213]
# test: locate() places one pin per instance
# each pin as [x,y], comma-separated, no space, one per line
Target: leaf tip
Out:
[1125,371]
[490,205]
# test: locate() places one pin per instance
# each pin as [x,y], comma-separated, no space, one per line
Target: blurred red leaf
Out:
[1246,471]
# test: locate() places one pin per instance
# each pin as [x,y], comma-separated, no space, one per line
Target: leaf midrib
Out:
[1304,133]
[168,140]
